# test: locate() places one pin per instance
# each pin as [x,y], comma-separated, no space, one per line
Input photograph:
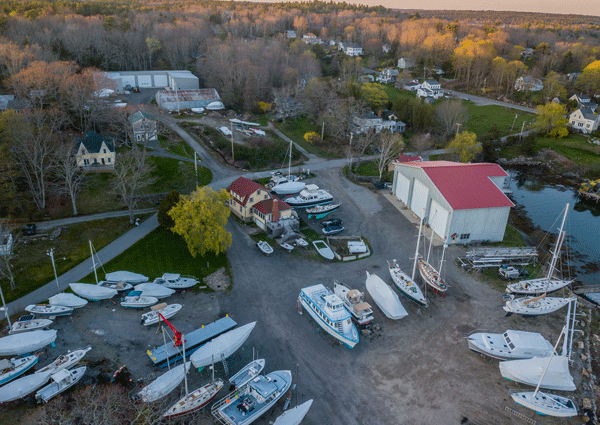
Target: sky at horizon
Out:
[576,7]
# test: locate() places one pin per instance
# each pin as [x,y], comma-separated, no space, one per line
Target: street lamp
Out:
[522,127]
[50,252]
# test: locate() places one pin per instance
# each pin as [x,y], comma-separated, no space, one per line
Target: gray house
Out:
[462,203]
[144,127]
[366,122]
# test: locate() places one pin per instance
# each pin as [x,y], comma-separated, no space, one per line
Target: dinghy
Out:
[153,290]
[247,373]
[48,310]
[27,342]
[13,368]
[65,361]
[287,247]
[126,276]
[21,387]
[176,281]
[28,323]
[67,300]
[405,284]
[167,311]
[301,242]
[135,300]
[164,384]
[535,306]
[117,286]
[295,415]
[62,381]
[323,249]
[264,247]
[221,347]
[385,297]
[92,292]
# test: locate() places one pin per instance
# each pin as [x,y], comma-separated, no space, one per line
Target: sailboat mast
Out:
[548,364]
[417,248]
[93,260]
[559,242]
[290,160]
[165,341]
[185,370]
[442,260]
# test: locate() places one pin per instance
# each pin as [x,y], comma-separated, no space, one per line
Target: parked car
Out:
[29,229]
[510,272]
[332,222]
[333,229]
[379,185]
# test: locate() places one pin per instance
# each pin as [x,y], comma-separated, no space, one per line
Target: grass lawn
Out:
[394,94]
[33,268]
[172,174]
[575,147]
[295,128]
[367,169]
[512,238]
[481,119]
[162,251]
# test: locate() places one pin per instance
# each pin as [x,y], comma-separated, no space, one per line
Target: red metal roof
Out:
[466,186]
[244,188]
[266,206]
[408,158]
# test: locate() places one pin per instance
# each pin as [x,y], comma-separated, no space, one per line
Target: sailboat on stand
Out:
[429,274]
[287,185]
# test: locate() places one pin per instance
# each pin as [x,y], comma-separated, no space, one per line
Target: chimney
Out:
[379,113]
[275,213]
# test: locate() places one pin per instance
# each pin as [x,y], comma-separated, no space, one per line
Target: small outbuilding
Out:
[462,203]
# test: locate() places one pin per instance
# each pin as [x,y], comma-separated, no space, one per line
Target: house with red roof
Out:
[462,203]
[251,201]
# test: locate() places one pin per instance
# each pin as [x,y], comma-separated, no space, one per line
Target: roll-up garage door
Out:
[145,80]
[160,81]
[128,80]
[438,218]
[419,198]
[402,186]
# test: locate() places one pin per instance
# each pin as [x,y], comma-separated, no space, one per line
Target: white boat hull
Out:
[21,387]
[65,361]
[68,300]
[405,284]
[385,297]
[495,345]
[222,346]
[295,415]
[92,292]
[264,247]
[195,400]
[535,308]
[331,331]
[530,371]
[537,286]
[154,290]
[546,404]
[164,384]
[152,317]
[18,367]
[139,302]
[55,388]
[247,373]
[48,310]
[27,342]
[324,250]
[126,276]
[121,286]
[288,188]
[30,325]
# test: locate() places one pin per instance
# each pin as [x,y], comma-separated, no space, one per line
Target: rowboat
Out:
[264,247]
[301,242]
[92,292]
[287,247]
[48,310]
[323,249]
[13,368]
[27,342]
[167,311]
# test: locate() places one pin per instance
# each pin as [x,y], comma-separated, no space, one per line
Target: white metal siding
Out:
[402,186]
[128,79]
[419,198]
[144,80]
[438,219]
[482,224]
[160,81]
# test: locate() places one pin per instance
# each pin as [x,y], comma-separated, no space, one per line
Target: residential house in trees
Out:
[411,86]
[144,127]
[430,89]
[388,75]
[527,53]
[584,120]
[584,101]
[406,63]
[366,122]
[290,34]
[311,38]
[572,76]
[386,48]
[528,83]
[95,150]
[352,49]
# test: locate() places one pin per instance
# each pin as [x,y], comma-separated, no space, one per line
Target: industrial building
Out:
[462,203]
[174,100]
[174,80]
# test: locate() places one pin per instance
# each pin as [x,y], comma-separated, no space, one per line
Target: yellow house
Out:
[95,150]
[250,201]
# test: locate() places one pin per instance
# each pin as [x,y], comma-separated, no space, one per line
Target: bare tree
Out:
[6,257]
[68,172]
[448,114]
[421,142]
[391,146]
[362,142]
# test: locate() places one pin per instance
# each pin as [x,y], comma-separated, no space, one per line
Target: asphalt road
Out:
[482,101]
[418,371]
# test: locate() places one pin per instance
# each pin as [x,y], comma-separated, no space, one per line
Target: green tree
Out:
[169,201]
[200,218]
[589,80]
[374,95]
[551,120]
[465,146]
[553,87]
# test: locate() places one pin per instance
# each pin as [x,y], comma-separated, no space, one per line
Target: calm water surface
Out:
[544,202]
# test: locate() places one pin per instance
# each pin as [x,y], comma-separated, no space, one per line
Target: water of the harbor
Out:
[543,200]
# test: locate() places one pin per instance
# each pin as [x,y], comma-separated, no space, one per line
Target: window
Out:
[265,196]
[109,160]
[103,150]
[102,159]
[240,208]
[251,199]
[464,236]
[139,137]
[86,161]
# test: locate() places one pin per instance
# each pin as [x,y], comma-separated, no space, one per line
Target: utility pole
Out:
[522,127]
[50,252]
[323,130]
[196,168]
[5,308]
[513,124]
[231,131]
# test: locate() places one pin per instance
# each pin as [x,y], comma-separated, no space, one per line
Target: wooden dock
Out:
[162,355]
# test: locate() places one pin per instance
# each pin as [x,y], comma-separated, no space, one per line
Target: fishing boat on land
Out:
[548,283]
[221,347]
[322,209]
[150,289]
[323,249]
[167,311]
[13,368]
[62,381]
[535,306]
[310,196]
[126,276]
[511,345]
[164,384]
[48,310]
[264,247]
[176,281]
[250,402]
[405,284]
[329,312]
[135,300]
[295,415]
[28,323]
[247,373]
[385,297]
[65,361]
[19,388]
[92,292]
[354,301]
[67,300]
[27,342]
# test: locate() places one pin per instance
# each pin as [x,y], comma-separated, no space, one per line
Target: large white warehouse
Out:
[462,203]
